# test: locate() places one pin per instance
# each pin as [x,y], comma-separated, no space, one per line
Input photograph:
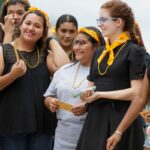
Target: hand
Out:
[86,94]
[52,104]
[112,141]
[79,109]
[90,96]
[9,25]
[18,69]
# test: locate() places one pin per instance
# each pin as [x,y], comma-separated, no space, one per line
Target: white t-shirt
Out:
[69,126]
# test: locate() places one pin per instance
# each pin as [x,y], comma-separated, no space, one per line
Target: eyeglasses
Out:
[104,20]
[80,42]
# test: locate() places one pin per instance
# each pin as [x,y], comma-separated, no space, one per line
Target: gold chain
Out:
[75,78]
[17,51]
[105,71]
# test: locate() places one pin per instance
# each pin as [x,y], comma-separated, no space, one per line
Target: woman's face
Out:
[32,27]
[66,34]
[17,11]
[107,24]
[83,49]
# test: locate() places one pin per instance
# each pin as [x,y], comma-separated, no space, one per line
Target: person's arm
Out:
[79,109]
[57,56]
[51,100]
[7,37]
[17,70]
[52,67]
[124,94]
[8,27]
[136,106]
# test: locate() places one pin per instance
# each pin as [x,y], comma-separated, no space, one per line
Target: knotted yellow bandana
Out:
[123,38]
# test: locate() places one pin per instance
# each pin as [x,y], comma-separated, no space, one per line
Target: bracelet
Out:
[118,132]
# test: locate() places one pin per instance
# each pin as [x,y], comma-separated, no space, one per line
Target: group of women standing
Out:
[30,57]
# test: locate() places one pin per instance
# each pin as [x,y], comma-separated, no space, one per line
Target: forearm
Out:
[59,55]
[6,80]
[125,94]
[52,67]
[136,106]
[131,114]
[7,38]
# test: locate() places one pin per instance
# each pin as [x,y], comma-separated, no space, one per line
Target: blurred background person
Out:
[11,16]
[66,30]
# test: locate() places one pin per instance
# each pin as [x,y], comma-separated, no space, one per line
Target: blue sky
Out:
[86,12]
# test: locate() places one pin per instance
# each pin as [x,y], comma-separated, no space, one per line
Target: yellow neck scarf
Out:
[123,38]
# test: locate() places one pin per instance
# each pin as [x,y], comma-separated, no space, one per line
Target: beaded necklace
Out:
[75,86]
[105,71]
[26,62]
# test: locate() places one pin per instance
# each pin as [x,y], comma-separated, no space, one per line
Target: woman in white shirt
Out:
[67,80]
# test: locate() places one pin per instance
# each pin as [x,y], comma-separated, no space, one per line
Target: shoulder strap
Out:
[7,48]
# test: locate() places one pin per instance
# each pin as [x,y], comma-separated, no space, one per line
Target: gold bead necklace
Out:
[75,86]
[17,56]
[105,71]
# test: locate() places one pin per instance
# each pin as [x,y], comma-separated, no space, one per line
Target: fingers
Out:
[86,94]
[78,110]
[21,64]
[18,69]
[9,18]
[112,141]
[53,104]
[9,24]
[54,107]
[110,144]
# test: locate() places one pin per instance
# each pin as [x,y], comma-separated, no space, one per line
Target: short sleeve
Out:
[147,59]
[137,63]
[51,91]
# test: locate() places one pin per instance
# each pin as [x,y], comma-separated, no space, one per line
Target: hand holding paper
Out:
[65,106]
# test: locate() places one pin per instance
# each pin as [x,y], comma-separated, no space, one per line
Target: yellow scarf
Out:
[123,38]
